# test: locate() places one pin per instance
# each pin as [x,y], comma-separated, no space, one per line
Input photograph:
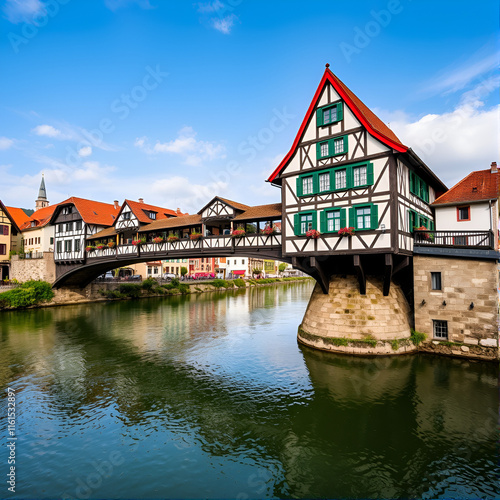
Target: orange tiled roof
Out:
[138,208]
[94,212]
[260,212]
[477,186]
[19,216]
[41,217]
[173,222]
[105,233]
[234,204]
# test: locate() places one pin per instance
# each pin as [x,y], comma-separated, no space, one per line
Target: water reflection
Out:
[210,396]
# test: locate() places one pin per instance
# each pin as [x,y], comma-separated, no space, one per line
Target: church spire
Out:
[42,201]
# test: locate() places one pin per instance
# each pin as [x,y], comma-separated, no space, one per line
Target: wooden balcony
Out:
[483,240]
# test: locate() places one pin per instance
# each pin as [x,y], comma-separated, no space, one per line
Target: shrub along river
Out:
[211,396]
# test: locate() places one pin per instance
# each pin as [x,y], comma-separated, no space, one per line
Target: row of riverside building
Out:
[30,240]
[357,206]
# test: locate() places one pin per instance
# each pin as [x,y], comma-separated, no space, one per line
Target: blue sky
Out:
[176,102]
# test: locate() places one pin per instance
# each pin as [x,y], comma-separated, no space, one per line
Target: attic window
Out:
[151,215]
[33,223]
[474,189]
[327,115]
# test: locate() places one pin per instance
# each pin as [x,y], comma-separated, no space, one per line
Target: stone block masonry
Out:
[468,302]
[33,269]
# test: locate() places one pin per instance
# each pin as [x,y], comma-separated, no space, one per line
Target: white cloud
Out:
[17,11]
[91,171]
[48,131]
[5,143]
[456,142]
[224,24]
[85,151]
[193,151]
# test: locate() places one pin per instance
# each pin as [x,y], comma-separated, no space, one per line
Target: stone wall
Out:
[464,282]
[345,321]
[33,269]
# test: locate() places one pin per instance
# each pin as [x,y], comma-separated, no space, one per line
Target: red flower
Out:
[312,233]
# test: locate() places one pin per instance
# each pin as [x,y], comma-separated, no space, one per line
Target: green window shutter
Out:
[299,186]
[315,220]
[412,182]
[352,218]
[349,178]
[331,147]
[318,150]
[374,217]
[340,111]
[315,183]
[432,225]
[319,117]
[369,174]
[346,146]
[342,218]
[322,222]
[296,224]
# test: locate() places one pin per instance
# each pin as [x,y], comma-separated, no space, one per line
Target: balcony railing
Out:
[455,239]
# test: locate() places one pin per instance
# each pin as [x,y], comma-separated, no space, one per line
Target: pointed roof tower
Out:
[42,201]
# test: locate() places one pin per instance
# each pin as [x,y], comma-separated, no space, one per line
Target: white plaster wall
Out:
[446,218]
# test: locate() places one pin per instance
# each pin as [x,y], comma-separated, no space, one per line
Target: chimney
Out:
[116,204]
[494,168]
[179,211]
[141,200]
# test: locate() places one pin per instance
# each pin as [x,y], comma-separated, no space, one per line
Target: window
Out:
[151,215]
[67,210]
[440,329]
[304,222]
[307,185]
[4,230]
[126,215]
[341,179]
[51,241]
[77,245]
[364,216]
[59,228]
[155,269]
[67,245]
[3,249]
[326,115]
[69,226]
[59,247]
[418,187]
[417,220]
[78,225]
[463,213]
[436,281]
[149,270]
[324,181]
[360,176]
[332,220]
[331,147]
[243,261]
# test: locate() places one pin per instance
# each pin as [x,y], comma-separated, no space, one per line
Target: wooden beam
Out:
[323,278]
[387,273]
[404,263]
[361,274]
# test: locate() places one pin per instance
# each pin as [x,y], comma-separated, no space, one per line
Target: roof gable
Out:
[374,125]
[92,212]
[233,204]
[18,215]
[138,208]
[480,185]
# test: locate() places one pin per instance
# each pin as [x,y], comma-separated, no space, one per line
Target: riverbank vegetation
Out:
[27,294]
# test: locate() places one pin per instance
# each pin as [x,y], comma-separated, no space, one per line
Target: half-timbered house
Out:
[347,169]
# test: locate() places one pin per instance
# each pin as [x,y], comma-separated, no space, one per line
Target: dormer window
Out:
[33,223]
[67,210]
[151,215]
[126,215]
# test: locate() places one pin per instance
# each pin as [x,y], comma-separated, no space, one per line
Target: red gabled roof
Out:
[19,216]
[477,186]
[41,218]
[93,212]
[138,208]
[375,126]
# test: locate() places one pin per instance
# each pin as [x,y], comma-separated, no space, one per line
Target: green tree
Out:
[256,271]
[282,267]
[184,271]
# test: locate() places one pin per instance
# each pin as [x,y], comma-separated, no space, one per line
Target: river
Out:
[210,396]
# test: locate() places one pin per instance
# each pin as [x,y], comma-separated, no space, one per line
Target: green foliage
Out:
[417,337]
[184,289]
[239,283]
[198,289]
[395,344]
[148,284]
[184,271]
[282,267]
[256,270]
[112,294]
[28,294]
[218,283]
[130,290]
[11,253]
[175,282]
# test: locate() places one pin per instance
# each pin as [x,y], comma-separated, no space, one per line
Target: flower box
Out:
[158,239]
[172,239]
[346,231]
[111,244]
[89,249]
[100,247]
[195,236]
[138,243]
[313,233]
[270,230]
[238,233]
